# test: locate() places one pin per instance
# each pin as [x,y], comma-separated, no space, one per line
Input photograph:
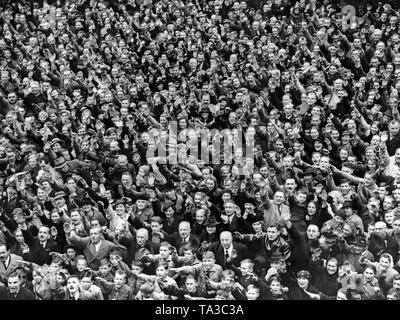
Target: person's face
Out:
[141,238]
[394,128]
[190,285]
[226,240]
[95,235]
[331,267]
[272,233]
[44,234]
[14,284]
[384,263]
[105,269]
[396,284]
[4,253]
[119,280]
[85,283]
[161,272]
[389,218]
[279,198]
[312,232]
[302,282]
[72,285]
[252,294]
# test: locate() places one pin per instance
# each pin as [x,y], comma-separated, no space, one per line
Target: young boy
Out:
[117,263]
[163,256]
[133,280]
[162,278]
[201,271]
[116,290]
[87,285]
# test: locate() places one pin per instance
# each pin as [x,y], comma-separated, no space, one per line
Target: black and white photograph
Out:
[199,150]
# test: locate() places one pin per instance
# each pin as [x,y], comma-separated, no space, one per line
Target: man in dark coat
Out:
[40,247]
[14,290]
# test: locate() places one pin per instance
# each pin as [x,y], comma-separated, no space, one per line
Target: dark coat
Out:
[38,254]
[23,294]
[241,251]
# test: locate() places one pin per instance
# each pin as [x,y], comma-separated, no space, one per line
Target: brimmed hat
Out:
[347,204]
[59,194]
[59,163]
[111,130]
[309,171]
[303,274]
[211,222]
[57,140]
[341,213]
[255,218]
[251,201]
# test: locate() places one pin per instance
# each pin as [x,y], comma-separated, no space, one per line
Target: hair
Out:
[247,261]
[14,274]
[163,264]
[120,273]
[115,252]
[137,263]
[156,219]
[88,274]
[189,247]
[370,266]
[274,278]
[165,244]
[222,293]
[252,286]
[81,258]
[147,289]
[228,273]
[5,244]
[208,255]
[104,262]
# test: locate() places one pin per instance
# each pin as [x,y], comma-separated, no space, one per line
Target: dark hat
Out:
[261,124]
[255,218]
[59,194]
[86,201]
[83,108]
[111,130]
[142,197]
[319,179]
[251,201]
[92,156]
[57,140]
[211,222]
[70,246]
[303,274]
[205,109]
[330,237]
[360,241]
[118,202]
[347,204]
[168,186]
[309,171]
[341,214]
[59,163]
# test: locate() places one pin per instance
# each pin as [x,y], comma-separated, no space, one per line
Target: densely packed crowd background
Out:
[88,87]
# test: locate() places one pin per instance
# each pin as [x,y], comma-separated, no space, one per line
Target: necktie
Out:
[226,255]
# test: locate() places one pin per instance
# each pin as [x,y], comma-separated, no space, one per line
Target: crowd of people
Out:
[88,87]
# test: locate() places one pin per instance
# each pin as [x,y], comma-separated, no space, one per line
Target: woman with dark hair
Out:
[325,277]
